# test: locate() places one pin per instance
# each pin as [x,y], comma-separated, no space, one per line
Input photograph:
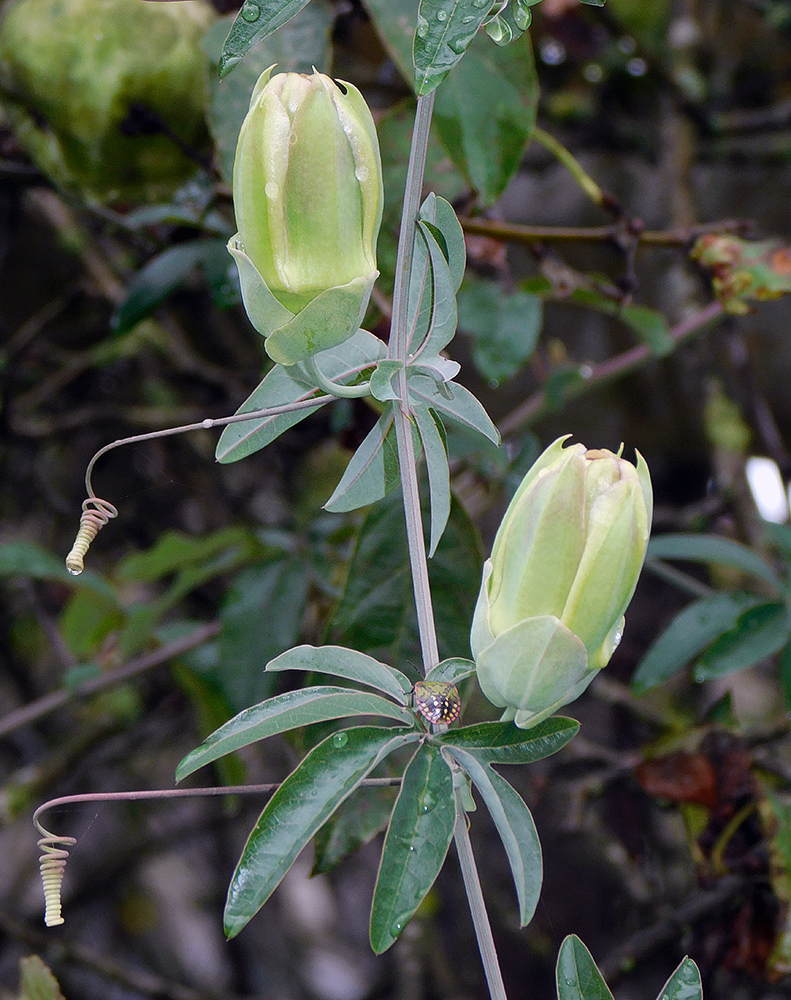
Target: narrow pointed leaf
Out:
[452,671]
[285,712]
[445,30]
[760,632]
[421,303]
[688,634]
[355,822]
[684,984]
[372,471]
[455,402]
[710,549]
[256,20]
[514,825]
[577,975]
[438,473]
[505,743]
[302,804]
[443,313]
[416,844]
[341,662]
[441,219]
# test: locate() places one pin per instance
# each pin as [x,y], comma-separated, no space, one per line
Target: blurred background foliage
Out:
[666,826]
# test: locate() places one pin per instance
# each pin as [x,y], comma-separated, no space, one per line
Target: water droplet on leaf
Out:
[340,740]
[429,801]
[250,11]
[422,27]
[442,15]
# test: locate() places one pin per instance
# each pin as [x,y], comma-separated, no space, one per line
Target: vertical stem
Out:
[398,349]
[480,919]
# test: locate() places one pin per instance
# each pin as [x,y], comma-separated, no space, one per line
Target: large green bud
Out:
[93,87]
[307,192]
[563,569]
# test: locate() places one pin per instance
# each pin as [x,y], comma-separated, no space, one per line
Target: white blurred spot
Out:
[766,486]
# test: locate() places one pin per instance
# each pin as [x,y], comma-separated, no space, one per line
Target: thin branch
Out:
[538,405]
[57,699]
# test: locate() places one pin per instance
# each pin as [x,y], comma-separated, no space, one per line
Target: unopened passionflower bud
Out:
[563,569]
[307,191]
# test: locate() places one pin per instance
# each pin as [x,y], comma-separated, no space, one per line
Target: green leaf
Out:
[27,559]
[256,20]
[577,975]
[299,807]
[305,42]
[651,326]
[438,472]
[162,275]
[689,633]
[347,663]
[376,611]
[514,825]
[87,621]
[455,402]
[373,470]
[684,984]
[288,711]
[416,844]
[760,632]
[505,743]
[282,386]
[711,549]
[175,551]
[505,328]
[488,145]
[249,639]
[452,671]
[445,30]
[356,822]
[36,981]
[438,214]
[443,299]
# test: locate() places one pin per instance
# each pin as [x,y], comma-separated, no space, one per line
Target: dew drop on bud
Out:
[271,189]
[361,173]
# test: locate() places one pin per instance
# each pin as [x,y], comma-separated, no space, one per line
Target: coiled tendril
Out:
[52,865]
[95,514]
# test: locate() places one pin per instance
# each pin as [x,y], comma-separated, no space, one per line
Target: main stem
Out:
[399,346]
[398,349]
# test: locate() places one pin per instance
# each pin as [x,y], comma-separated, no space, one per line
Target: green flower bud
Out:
[563,569]
[307,191]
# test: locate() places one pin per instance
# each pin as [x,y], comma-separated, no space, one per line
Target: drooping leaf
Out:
[486,147]
[256,20]
[417,841]
[758,633]
[373,470]
[444,31]
[347,663]
[455,402]
[288,711]
[505,327]
[515,827]
[505,743]
[305,42]
[576,974]
[438,472]
[162,275]
[711,549]
[690,632]
[376,611]
[299,807]
[684,984]
[356,821]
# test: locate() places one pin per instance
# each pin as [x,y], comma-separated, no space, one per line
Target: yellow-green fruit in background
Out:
[86,84]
